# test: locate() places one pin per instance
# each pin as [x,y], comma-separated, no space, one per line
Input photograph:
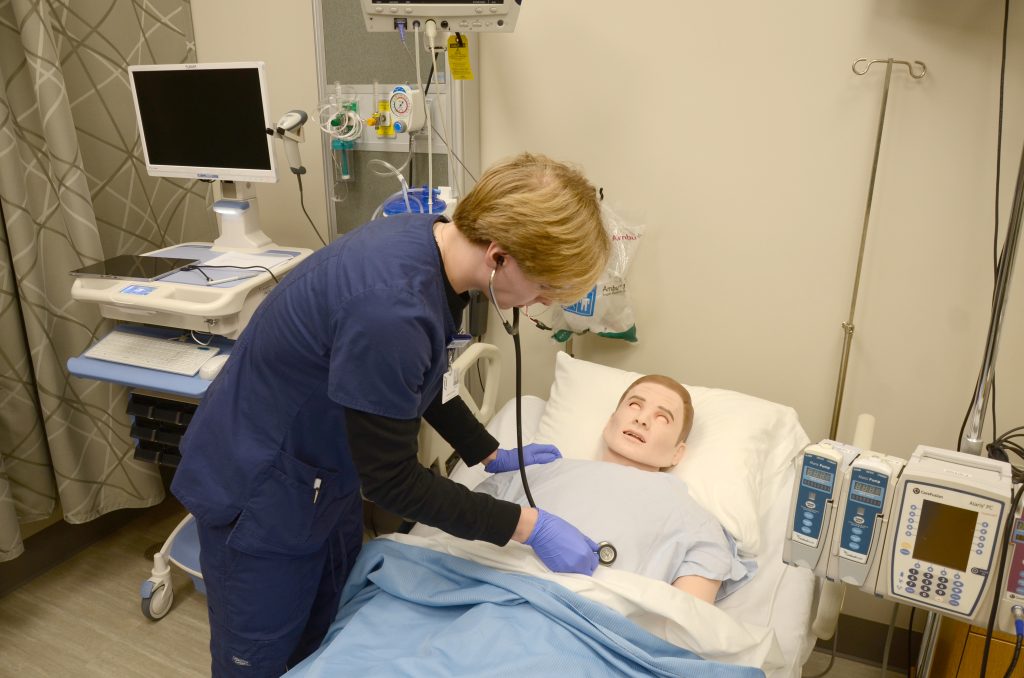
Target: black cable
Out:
[995,230]
[519,405]
[440,136]
[1016,656]
[302,204]
[426,88]
[910,643]
[1007,533]
[200,267]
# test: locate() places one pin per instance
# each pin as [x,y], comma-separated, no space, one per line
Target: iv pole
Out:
[848,325]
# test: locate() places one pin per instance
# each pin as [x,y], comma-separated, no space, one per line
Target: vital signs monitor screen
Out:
[945,534]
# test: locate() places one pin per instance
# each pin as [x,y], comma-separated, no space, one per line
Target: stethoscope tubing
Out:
[606,553]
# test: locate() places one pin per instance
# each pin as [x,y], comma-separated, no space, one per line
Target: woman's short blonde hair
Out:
[546,215]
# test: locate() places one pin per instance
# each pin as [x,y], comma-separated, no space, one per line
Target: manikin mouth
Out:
[634,434]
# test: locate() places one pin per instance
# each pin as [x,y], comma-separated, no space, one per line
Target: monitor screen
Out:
[205,121]
[945,534]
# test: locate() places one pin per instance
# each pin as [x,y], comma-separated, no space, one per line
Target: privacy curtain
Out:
[73,191]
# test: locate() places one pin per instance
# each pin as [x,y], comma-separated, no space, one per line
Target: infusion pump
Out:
[924,532]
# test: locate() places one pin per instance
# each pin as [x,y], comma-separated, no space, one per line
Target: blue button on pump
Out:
[905,552]
[805,530]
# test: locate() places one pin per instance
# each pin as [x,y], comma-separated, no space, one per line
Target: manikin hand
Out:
[561,546]
[534,453]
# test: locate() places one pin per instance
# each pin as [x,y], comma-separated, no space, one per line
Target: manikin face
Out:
[643,431]
[512,287]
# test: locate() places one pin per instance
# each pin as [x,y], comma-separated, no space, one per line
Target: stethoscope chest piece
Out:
[606,553]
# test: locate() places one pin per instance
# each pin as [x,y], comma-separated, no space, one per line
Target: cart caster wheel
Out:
[156,599]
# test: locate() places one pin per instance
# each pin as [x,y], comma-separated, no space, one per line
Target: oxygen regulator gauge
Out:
[400,104]
[407,109]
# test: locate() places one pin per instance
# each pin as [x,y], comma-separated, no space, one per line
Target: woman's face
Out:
[513,288]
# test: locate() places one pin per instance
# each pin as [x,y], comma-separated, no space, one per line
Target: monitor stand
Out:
[238,217]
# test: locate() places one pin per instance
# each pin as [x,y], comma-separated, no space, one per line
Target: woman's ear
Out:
[495,255]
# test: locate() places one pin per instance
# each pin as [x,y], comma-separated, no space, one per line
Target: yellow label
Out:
[458,57]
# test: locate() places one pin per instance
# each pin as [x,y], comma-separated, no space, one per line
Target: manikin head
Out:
[649,426]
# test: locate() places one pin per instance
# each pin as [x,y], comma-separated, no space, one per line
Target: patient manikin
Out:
[657,529]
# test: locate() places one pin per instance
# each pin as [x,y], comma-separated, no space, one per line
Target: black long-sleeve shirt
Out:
[385,453]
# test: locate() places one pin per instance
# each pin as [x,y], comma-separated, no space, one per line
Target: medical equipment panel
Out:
[820,470]
[861,521]
[492,16]
[943,541]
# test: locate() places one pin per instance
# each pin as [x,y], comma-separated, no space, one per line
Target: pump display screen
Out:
[867,494]
[945,534]
[864,488]
[817,479]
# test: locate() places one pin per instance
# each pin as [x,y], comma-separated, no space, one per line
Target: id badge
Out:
[450,382]
[449,385]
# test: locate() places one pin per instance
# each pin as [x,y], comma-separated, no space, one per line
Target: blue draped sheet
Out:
[410,611]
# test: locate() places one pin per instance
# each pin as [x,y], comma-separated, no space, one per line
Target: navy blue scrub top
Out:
[362,323]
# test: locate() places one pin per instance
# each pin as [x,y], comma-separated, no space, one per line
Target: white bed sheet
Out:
[779,597]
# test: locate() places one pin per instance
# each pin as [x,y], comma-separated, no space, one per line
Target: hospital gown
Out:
[656,527]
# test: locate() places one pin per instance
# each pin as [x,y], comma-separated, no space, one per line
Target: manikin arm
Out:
[700,587]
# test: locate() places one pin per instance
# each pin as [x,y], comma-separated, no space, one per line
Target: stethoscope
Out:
[606,553]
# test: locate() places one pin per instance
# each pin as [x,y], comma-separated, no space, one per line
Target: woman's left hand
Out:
[534,453]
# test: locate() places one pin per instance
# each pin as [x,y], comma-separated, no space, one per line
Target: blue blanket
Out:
[409,611]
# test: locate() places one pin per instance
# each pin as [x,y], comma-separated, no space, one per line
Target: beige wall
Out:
[740,132]
[282,37]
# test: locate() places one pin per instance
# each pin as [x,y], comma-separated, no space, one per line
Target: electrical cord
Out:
[1018,624]
[302,204]
[200,267]
[831,657]
[1005,444]
[910,643]
[199,341]
[888,640]
[1007,533]
[995,230]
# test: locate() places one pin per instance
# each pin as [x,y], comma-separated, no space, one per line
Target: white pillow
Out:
[738,443]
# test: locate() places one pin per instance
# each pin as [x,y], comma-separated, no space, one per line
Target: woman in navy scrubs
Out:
[324,393]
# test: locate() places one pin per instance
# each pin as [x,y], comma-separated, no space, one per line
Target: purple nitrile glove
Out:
[561,546]
[534,453]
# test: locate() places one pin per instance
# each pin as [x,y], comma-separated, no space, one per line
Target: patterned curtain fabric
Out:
[73,191]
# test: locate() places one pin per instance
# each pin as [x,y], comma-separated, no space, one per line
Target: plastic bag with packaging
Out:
[606,310]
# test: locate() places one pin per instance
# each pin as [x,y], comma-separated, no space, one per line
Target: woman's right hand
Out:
[561,546]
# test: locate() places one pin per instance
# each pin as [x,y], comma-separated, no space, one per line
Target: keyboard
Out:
[166,355]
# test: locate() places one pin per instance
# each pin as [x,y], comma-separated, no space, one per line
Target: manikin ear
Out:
[678,455]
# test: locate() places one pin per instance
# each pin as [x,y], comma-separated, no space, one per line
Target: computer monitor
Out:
[204,121]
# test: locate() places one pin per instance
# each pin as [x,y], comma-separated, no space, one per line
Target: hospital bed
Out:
[738,465]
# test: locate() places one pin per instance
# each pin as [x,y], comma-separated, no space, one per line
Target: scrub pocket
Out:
[285,514]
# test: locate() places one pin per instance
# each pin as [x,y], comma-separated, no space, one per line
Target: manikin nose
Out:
[640,421]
